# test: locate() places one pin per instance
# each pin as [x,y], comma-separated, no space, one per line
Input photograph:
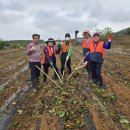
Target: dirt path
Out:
[78,102]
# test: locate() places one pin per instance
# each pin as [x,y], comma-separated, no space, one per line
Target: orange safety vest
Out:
[65,48]
[99,48]
[85,44]
[50,51]
[50,54]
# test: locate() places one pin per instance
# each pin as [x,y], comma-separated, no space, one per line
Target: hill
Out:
[123,31]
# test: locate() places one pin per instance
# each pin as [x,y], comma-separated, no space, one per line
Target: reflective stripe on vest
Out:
[51,51]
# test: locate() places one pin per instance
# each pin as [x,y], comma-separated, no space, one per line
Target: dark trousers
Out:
[96,72]
[46,68]
[68,64]
[88,68]
[35,72]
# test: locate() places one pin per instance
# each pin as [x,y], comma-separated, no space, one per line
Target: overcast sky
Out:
[53,18]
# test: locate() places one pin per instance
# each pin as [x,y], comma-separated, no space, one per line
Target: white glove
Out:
[109,40]
[85,63]
[33,48]
[67,58]
[51,63]
[87,53]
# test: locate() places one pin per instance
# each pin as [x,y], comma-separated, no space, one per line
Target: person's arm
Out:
[107,45]
[29,49]
[84,51]
[47,54]
[70,51]
[87,56]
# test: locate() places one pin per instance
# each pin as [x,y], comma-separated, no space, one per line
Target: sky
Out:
[53,18]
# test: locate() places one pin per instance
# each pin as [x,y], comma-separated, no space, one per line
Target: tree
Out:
[1,45]
[128,30]
[105,33]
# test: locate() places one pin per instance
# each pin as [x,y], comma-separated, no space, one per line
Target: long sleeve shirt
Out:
[47,54]
[48,57]
[33,56]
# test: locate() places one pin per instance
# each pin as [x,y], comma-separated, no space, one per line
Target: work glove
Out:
[85,64]
[87,53]
[110,38]
[51,63]
[33,48]
[67,58]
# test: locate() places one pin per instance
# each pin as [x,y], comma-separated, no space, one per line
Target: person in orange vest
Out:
[64,49]
[87,39]
[49,57]
[96,57]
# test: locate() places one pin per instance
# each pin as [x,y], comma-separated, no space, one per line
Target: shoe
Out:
[33,84]
[95,81]
[37,81]
[102,85]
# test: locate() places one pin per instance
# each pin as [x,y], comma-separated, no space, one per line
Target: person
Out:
[85,43]
[33,52]
[65,55]
[96,57]
[49,57]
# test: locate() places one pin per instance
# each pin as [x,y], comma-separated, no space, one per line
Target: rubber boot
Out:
[55,76]
[34,86]
[102,85]
[44,78]
[37,81]
[69,70]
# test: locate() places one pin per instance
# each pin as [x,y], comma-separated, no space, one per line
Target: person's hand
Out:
[61,43]
[67,58]
[85,63]
[87,53]
[33,48]
[110,38]
[51,63]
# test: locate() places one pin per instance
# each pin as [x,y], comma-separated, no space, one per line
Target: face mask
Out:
[67,38]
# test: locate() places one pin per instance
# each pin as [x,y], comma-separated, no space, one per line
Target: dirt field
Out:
[77,105]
